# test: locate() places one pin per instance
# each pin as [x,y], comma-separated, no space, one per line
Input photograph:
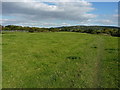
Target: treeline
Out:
[21,28]
[109,30]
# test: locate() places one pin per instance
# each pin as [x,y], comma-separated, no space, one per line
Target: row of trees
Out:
[29,29]
[114,31]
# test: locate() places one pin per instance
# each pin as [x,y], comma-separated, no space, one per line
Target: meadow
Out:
[59,60]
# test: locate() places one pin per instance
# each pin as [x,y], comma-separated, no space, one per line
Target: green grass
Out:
[59,60]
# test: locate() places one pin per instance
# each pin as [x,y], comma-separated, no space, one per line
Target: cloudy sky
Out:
[54,14]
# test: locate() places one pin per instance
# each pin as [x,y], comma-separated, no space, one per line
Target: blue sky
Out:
[105,7]
[57,14]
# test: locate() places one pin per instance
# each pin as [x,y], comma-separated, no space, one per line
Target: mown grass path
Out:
[100,54]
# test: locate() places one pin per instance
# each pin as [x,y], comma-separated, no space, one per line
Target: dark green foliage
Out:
[73,57]
[31,31]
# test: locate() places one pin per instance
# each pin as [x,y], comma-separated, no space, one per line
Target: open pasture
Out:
[59,60]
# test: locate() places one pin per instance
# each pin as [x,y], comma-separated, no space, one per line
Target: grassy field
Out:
[59,60]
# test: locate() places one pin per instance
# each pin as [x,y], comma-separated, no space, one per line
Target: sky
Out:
[55,14]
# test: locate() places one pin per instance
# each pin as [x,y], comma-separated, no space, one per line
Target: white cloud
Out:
[26,12]
[107,20]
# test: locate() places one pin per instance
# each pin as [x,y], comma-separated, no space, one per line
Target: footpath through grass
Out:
[59,60]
